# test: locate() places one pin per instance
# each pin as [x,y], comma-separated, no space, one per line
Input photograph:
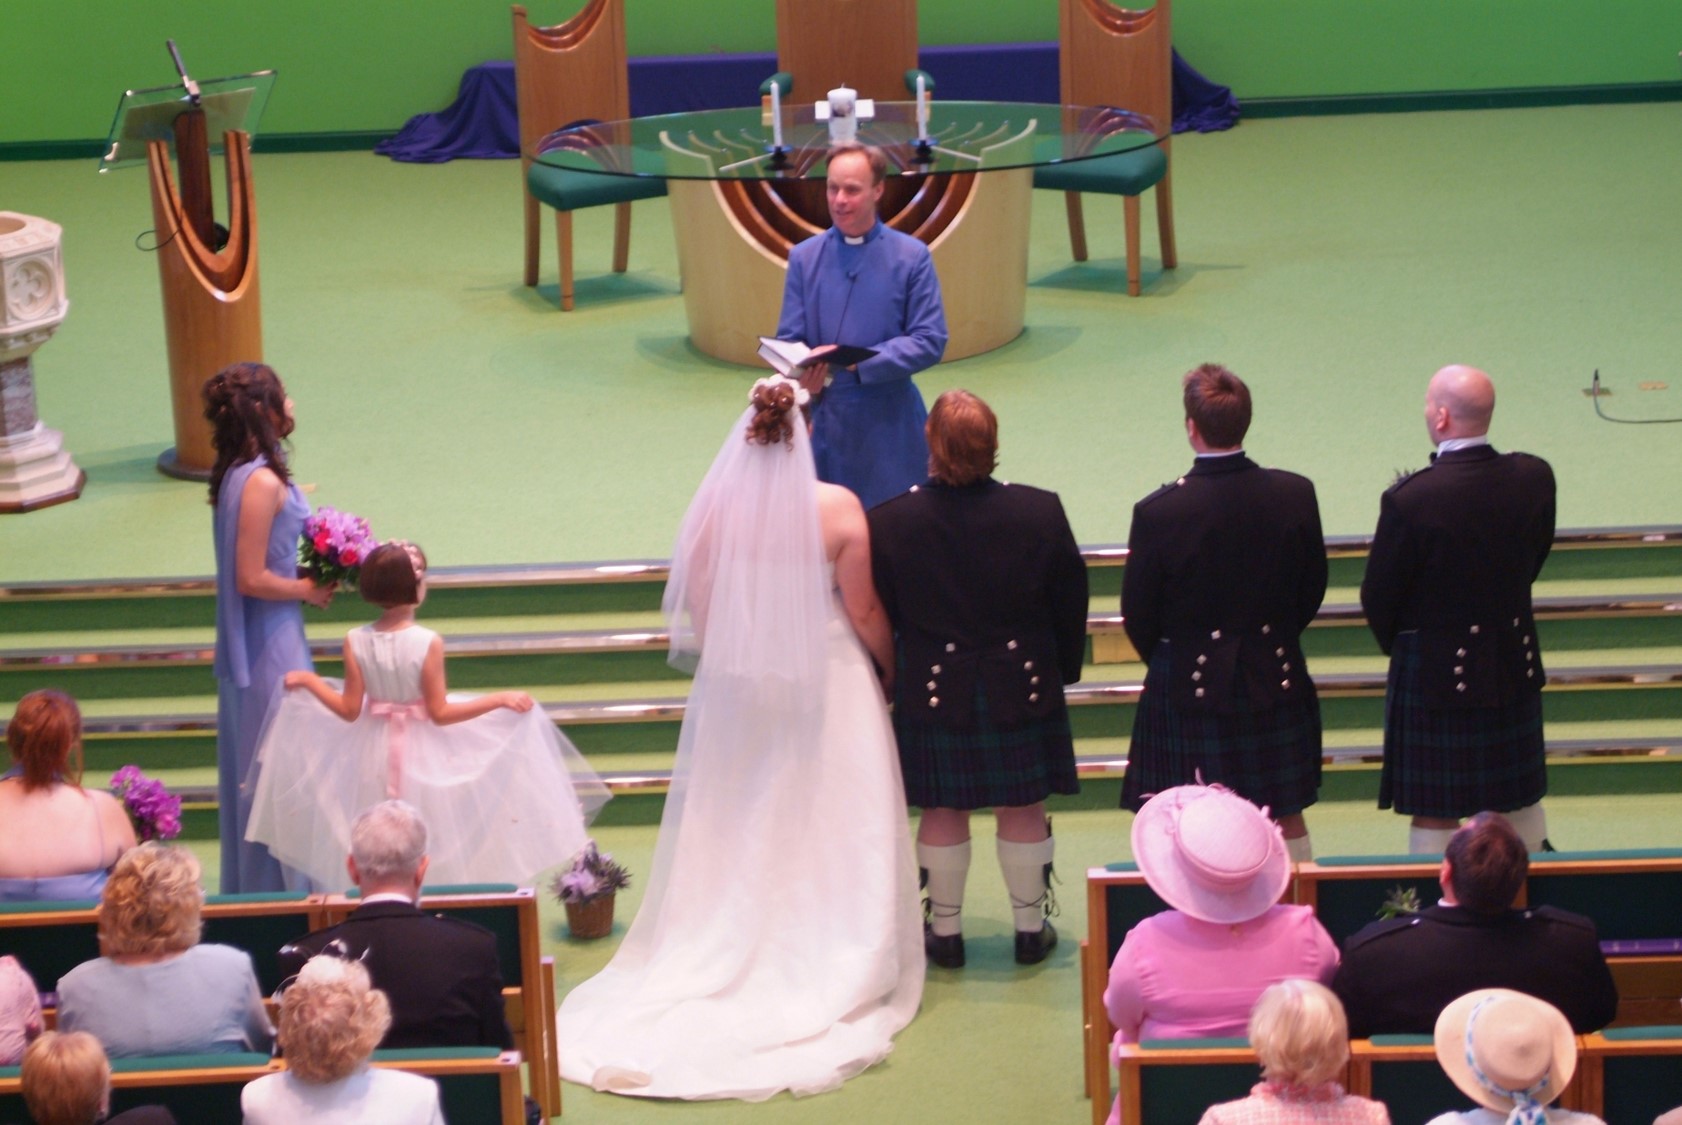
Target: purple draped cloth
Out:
[483,122]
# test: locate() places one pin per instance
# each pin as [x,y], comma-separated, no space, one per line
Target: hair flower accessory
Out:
[801,395]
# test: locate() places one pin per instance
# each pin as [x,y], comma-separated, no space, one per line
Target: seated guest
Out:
[57,840]
[156,990]
[1300,1034]
[1197,970]
[20,1010]
[66,1080]
[1397,974]
[440,975]
[1512,1054]
[330,1022]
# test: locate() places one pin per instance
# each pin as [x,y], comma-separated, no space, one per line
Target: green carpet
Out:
[1333,262]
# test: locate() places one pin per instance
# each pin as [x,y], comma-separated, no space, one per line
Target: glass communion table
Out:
[743,192]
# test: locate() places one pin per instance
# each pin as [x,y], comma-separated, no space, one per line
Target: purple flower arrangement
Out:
[333,547]
[592,875]
[155,810]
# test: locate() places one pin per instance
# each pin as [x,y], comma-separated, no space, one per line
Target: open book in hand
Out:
[786,356]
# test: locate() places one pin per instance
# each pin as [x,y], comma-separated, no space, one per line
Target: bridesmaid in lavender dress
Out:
[259,517]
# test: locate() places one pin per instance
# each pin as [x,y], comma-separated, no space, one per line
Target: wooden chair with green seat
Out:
[1118,57]
[564,75]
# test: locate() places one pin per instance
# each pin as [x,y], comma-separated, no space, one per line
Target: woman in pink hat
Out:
[1198,969]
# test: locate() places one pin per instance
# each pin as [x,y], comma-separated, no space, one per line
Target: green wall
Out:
[348,67]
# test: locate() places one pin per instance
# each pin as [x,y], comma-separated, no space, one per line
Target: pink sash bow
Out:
[399,714]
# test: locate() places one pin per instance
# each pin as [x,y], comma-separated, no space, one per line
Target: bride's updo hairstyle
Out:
[963,437]
[773,402]
[245,405]
[391,574]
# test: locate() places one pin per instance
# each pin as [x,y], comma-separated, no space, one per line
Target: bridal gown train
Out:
[779,946]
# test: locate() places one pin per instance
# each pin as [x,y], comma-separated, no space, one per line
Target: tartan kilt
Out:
[1269,757]
[985,767]
[1445,762]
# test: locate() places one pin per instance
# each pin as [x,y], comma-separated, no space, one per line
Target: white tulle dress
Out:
[505,795]
[779,944]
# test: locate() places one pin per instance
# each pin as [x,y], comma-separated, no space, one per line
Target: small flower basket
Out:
[587,888]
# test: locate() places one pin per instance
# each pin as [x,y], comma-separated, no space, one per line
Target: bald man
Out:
[1447,594]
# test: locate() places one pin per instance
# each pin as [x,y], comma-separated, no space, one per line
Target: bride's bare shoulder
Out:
[834,499]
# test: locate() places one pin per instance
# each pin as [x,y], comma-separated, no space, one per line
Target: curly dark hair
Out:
[246,407]
[772,405]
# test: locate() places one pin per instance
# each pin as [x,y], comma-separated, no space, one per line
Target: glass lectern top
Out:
[149,115]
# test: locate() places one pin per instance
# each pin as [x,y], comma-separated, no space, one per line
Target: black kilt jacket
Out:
[1398,974]
[440,974]
[1227,564]
[986,591]
[1457,548]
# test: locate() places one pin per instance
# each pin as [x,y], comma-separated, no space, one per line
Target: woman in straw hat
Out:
[1512,1054]
[1197,969]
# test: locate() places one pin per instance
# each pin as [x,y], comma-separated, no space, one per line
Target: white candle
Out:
[922,109]
[776,114]
[843,126]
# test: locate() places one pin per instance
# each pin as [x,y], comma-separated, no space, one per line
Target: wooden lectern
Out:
[208,274]
[213,316]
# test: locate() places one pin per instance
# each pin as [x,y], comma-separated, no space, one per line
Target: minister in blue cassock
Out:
[862,284]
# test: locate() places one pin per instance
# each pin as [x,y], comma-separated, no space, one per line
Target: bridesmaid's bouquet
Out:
[333,547]
[156,811]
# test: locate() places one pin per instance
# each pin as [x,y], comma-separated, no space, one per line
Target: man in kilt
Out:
[986,591]
[1447,594]
[1226,567]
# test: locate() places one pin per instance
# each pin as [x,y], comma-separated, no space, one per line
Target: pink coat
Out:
[20,1011]
[1179,978]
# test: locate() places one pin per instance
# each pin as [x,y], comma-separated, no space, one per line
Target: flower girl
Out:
[504,794]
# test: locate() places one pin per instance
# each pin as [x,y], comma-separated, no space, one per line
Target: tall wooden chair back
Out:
[1121,57]
[865,44]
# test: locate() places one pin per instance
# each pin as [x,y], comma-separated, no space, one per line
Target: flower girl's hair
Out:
[392,573]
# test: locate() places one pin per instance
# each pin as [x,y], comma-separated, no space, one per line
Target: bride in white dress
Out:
[779,944]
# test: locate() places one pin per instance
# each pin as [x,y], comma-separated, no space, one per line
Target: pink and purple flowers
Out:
[155,810]
[333,547]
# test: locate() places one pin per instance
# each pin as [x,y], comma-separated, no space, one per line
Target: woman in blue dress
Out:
[57,840]
[259,517]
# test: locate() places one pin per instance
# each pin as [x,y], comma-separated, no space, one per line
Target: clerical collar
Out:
[388,896]
[861,239]
[1223,453]
[1454,443]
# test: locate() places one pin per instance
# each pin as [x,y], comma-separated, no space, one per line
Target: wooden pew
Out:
[477,1085]
[528,977]
[1632,1073]
[1172,1081]
[52,938]
[1634,897]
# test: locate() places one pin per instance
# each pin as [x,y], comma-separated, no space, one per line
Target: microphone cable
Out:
[1595,393]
